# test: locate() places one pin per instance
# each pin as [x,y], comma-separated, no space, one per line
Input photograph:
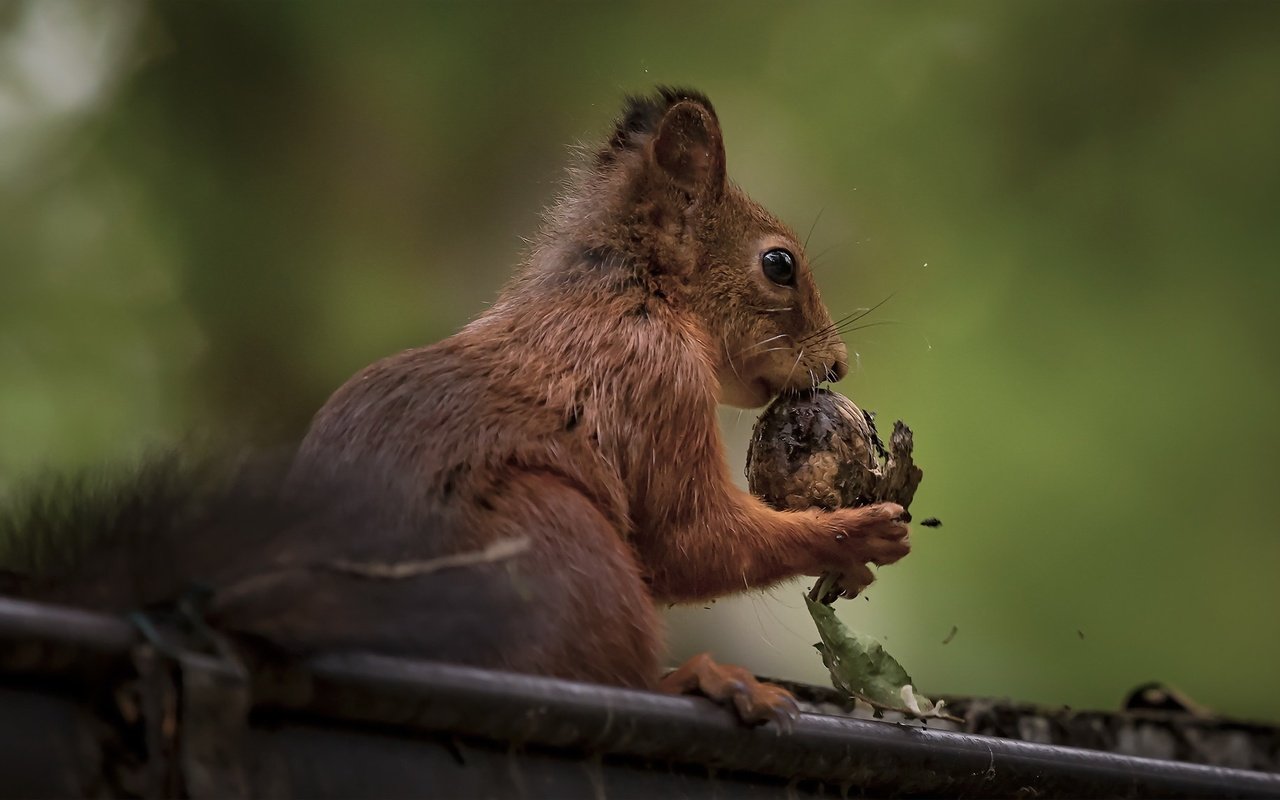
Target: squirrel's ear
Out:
[688,147]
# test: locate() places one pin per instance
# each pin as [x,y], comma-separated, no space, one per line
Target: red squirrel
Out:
[578,413]
[521,494]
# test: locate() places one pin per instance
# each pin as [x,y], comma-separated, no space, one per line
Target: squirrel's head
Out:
[658,198]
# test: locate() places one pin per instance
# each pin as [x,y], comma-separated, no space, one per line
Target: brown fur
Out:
[580,409]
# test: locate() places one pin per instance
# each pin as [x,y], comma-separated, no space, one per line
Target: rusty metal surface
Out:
[338,723]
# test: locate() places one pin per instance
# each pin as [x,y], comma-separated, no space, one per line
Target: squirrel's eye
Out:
[779,266]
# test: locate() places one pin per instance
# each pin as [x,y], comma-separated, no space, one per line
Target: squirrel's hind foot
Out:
[755,702]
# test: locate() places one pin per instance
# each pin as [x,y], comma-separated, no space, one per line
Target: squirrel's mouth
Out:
[767,390]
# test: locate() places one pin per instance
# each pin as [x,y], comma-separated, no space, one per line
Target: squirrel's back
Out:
[579,379]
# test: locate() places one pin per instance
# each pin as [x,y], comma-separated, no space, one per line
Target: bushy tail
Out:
[307,560]
[106,537]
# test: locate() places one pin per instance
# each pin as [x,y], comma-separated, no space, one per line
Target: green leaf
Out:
[862,668]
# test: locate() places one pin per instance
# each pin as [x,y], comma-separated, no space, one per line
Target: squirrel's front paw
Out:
[873,534]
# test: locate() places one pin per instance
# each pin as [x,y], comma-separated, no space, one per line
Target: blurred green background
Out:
[212,213]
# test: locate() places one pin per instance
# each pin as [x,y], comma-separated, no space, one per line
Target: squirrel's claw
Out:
[854,579]
[754,701]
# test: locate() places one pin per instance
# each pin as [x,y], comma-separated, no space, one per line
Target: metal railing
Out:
[117,715]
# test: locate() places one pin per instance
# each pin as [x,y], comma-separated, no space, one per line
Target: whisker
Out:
[845,320]
[773,350]
[729,358]
[805,246]
[828,250]
[746,350]
[764,636]
[866,325]
[799,356]
[853,316]
[865,311]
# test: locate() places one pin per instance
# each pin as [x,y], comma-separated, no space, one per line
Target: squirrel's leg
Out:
[596,617]
[755,701]
[591,617]
[732,542]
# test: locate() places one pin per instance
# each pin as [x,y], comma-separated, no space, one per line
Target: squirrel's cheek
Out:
[739,391]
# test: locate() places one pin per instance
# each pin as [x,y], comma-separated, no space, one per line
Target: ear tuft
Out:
[642,114]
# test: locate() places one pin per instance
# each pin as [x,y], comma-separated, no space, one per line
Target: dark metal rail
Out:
[406,699]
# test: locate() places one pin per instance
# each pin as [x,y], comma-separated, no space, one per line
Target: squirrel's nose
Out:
[837,370]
